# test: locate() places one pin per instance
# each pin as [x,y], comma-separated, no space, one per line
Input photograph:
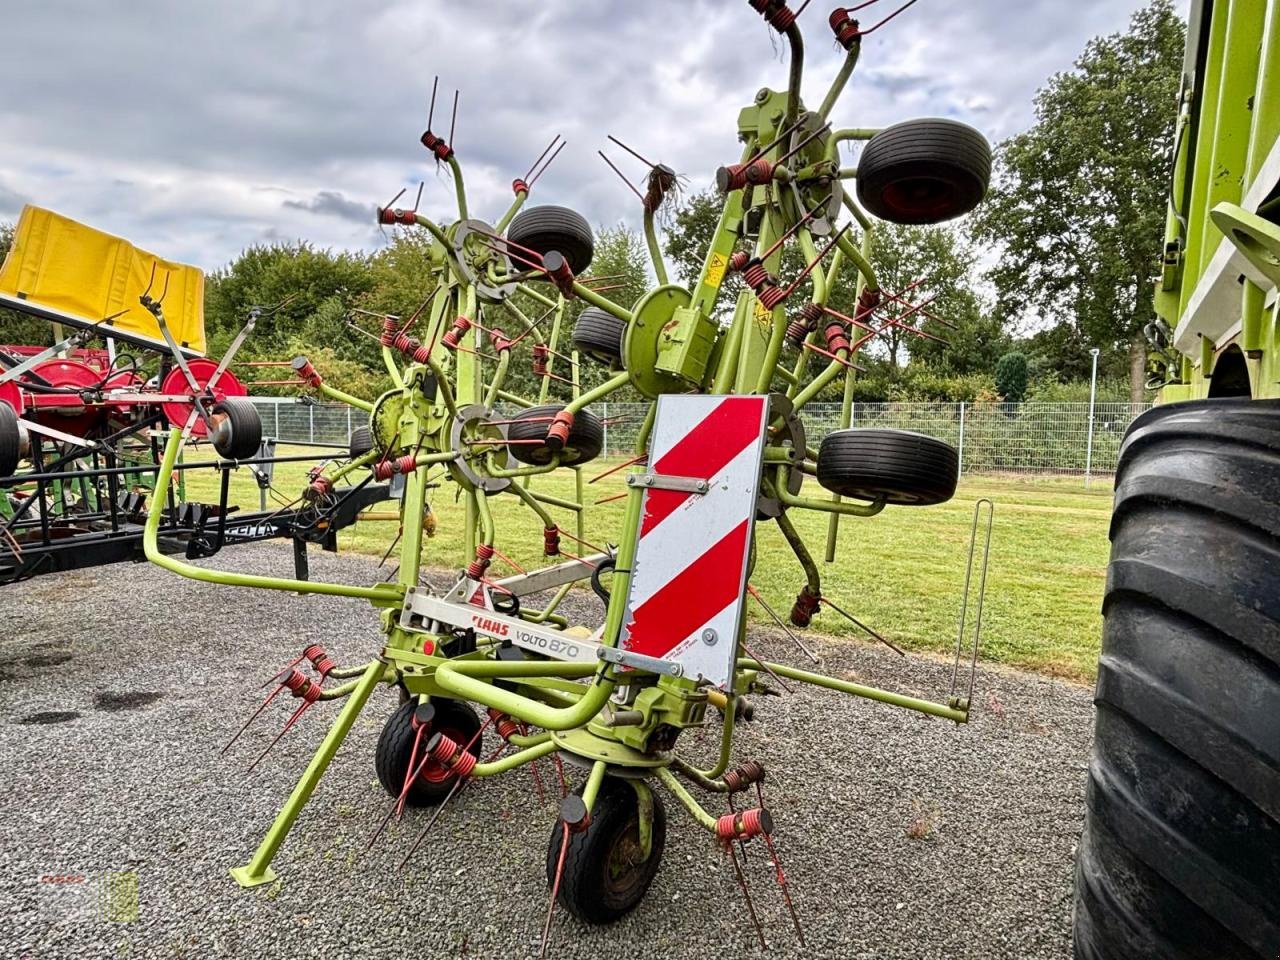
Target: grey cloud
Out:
[325,101]
[333,204]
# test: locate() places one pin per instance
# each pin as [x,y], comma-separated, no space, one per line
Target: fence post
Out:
[604,407]
[348,421]
[960,446]
[311,423]
[275,407]
[1093,393]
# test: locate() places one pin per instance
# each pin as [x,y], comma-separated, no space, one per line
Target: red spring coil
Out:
[323,665]
[500,340]
[295,681]
[744,776]
[477,567]
[313,652]
[806,605]
[388,331]
[386,469]
[738,260]
[837,337]
[506,726]
[305,371]
[319,488]
[771,295]
[802,323]
[460,326]
[551,541]
[741,826]
[738,175]
[389,217]
[844,27]
[437,146]
[755,275]
[558,434]
[541,354]
[777,14]
[518,186]
[411,347]
[448,752]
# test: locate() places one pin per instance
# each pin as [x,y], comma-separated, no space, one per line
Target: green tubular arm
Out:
[549,612]
[383,593]
[530,470]
[442,384]
[616,382]
[832,152]
[516,204]
[533,504]
[727,369]
[343,397]
[537,296]
[861,262]
[822,506]
[726,750]
[488,532]
[499,377]
[646,428]
[458,188]
[958,713]
[677,788]
[829,373]
[604,303]
[838,84]
[555,501]
[655,251]
[523,320]
[508,763]
[802,553]
[863,220]
[592,788]
[393,368]
[348,468]
[463,678]
[436,232]
[515,399]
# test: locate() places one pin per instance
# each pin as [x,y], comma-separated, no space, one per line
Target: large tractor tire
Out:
[1180,856]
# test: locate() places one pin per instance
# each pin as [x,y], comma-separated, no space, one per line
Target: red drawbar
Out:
[709,446]
[695,596]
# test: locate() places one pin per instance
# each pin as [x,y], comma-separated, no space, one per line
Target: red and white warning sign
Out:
[685,599]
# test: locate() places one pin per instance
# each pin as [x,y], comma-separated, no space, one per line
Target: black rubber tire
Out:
[360,443]
[395,748]
[588,888]
[10,441]
[586,437]
[924,171]
[599,334]
[239,437]
[550,228]
[905,468]
[1180,856]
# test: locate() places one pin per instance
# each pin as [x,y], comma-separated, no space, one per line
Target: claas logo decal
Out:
[493,627]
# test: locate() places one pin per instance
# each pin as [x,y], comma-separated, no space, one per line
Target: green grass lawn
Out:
[900,572]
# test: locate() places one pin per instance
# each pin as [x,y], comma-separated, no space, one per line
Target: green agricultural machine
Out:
[722,450]
[1180,856]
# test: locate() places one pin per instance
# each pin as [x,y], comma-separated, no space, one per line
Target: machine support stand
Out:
[258,870]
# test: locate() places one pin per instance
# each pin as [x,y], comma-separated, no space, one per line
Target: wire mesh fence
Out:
[1031,438]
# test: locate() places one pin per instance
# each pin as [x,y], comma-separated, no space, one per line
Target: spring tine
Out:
[742,883]
[457,785]
[621,176]
[742,844]
[564,784]
[547,165]
[540,156]
[982,590]
[431,113]
[785,629]
[282,673]
[769,670]
[630,151]
[288,723]
[782,882]
[271,696]
[555,889]
[858,623]
[454,119]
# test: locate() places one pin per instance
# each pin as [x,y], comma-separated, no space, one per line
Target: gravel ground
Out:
[902,836]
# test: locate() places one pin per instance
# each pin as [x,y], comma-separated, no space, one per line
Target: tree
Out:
[1078,208]
[1011,376]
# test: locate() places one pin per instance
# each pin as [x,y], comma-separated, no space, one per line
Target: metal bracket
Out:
[659,481]
[75,340]
[640,662]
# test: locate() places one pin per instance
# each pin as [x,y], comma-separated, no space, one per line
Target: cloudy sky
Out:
[196,129]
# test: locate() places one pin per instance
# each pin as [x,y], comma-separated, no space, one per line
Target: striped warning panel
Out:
[685,599]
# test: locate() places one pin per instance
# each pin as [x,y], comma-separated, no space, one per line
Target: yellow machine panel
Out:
[76,269]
